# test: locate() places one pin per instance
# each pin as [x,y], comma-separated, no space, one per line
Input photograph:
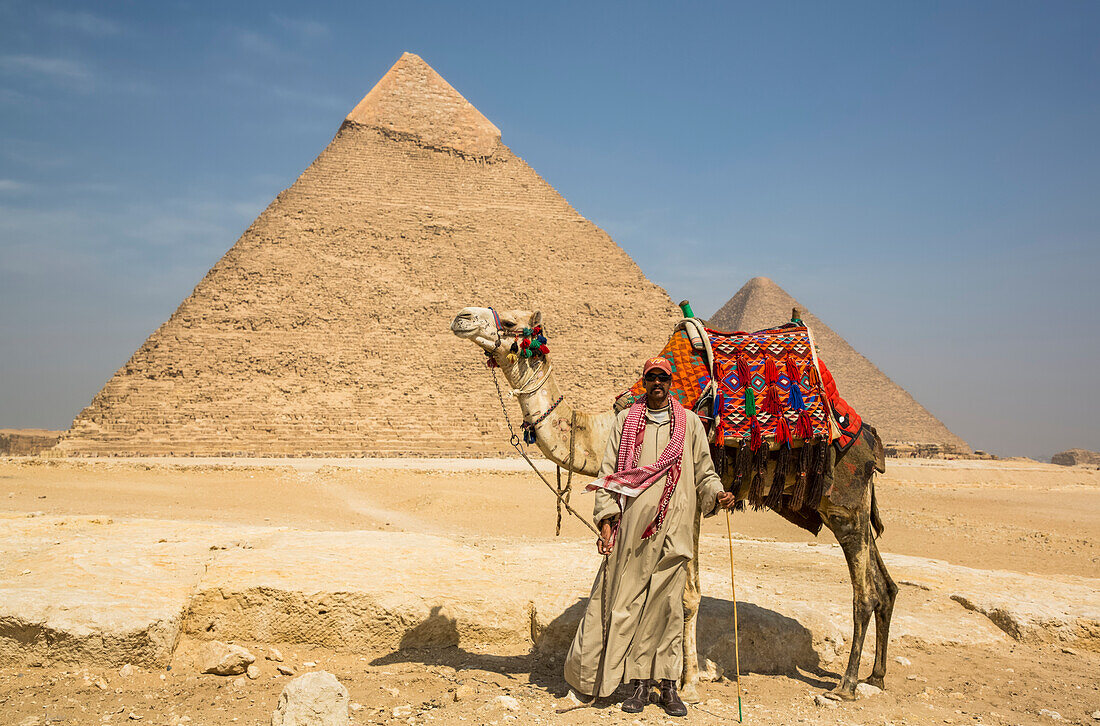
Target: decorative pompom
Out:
[528,332]
[543,349]
[794,401]
[511,357]
[515,346]
[805,427]
[750,402]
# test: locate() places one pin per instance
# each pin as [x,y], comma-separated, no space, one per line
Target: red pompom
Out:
[782,431]
[543,349]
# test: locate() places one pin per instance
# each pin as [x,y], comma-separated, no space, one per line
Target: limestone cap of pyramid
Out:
[412,100]
[761,303]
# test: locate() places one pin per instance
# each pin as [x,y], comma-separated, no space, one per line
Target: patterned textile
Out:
[769,388]
[848,422]
[629,479]
[690,375]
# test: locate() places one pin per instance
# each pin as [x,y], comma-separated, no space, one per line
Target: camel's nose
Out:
[464,322]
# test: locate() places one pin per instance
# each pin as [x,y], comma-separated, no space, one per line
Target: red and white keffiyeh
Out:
[629,479]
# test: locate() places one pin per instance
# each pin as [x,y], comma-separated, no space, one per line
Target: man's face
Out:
[657,384]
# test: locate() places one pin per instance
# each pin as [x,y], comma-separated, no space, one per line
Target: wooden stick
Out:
[736,647]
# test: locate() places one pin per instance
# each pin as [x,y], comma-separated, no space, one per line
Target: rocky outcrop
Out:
[129,592]
[1076,457]
[313,699]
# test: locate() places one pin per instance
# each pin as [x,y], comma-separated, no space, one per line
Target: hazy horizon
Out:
[922,177]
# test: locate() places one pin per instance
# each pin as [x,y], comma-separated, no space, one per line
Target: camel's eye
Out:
[507,324]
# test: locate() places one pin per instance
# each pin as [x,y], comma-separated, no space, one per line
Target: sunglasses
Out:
[660,377]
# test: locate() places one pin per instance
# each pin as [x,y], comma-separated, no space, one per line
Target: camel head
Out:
[480,326]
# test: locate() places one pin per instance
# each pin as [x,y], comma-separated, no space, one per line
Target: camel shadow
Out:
[770,643]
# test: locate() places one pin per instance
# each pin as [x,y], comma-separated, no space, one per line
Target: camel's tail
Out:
[880,466]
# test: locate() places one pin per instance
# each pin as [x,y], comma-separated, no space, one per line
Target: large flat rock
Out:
[81,589]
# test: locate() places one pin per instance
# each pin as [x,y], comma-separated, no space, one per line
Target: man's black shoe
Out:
[639,696]
[670,699]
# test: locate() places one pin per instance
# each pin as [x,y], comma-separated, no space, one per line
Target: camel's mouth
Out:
[464,325]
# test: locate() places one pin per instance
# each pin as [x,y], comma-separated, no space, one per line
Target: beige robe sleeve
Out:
[605,505]
[708,485]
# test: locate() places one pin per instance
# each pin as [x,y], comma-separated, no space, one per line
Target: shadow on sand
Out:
[770,643]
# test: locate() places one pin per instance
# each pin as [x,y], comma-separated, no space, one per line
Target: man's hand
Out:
[726,500]
[603,544]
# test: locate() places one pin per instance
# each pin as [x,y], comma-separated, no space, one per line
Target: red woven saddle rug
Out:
[763,392]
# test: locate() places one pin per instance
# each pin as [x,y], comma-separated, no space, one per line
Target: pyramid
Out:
[325,329]
[902,423]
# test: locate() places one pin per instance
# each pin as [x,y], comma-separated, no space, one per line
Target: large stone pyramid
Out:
[324,329]
[899,419]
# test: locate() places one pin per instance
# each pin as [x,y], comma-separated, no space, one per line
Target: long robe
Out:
[645,578]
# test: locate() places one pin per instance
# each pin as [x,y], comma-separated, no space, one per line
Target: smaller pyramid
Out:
[895,414]
[413,101]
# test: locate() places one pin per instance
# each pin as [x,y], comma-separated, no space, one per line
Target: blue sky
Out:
[923,176]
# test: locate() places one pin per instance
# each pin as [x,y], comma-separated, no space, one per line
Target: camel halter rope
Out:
[562,493]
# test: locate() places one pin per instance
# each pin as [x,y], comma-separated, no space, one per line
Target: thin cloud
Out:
[307,29]
[58,69]
[10,185]
[84,22]
[254,42]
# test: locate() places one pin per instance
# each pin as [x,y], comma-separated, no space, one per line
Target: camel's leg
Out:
[884,608]
[689,688]
[854,535]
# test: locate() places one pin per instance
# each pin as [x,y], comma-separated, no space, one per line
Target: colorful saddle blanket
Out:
[769,386]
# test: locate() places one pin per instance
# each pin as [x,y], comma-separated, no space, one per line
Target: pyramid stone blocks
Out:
[325,329]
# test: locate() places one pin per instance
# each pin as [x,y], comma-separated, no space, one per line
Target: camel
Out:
[575,440]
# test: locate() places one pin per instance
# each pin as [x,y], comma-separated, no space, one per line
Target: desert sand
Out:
[438,585]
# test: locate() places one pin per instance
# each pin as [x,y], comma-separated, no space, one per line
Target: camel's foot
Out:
[689,692]
[842,692]
[877,681]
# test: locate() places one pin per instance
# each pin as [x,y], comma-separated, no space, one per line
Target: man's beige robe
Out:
[646,578]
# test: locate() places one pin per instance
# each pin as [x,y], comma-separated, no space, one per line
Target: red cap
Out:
[660,364]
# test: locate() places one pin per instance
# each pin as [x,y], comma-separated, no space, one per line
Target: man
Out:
[655,470]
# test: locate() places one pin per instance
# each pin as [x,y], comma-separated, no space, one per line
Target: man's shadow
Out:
[770,643]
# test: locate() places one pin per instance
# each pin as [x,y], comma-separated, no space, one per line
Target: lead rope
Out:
[563,493]
[518,446]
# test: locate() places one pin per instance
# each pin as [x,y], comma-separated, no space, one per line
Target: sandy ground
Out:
[1017,516]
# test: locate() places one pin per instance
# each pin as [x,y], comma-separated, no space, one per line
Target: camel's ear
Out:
[536,318]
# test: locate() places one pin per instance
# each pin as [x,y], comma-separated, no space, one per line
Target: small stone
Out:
[274,654]
[285,670]
[1070,651]
[1096,715]
[822,702]
[1052,715]
[133,716]
[239,682]
[392,691]
[357,707]
[309,664]
[126,671]
[464,692]
[253,672]
[866,690]
[402,711]
[902,660]
[224,660]
[101,684]
[313,699]
[36,514]
[507,702]
[25,572]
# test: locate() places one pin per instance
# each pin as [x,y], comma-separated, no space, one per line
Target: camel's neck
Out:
[570,438]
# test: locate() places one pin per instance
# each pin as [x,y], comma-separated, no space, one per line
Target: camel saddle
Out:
[750,389]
